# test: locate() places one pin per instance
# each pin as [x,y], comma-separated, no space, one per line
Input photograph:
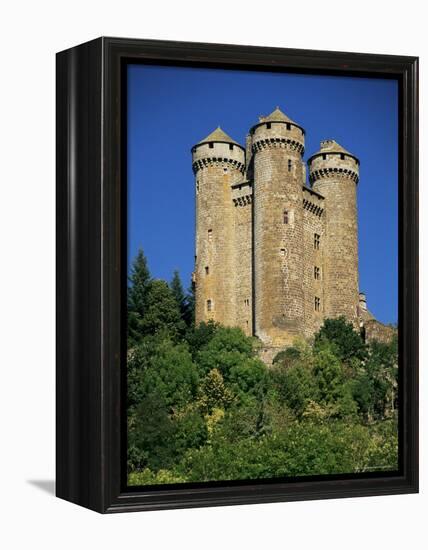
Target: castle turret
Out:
[334,174]
[278,146]
[218,164]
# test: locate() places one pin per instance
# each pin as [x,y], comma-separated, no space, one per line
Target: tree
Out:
[200,336]
[228,347]
[184,301]
[190,311]
[375,385]
[295,386]
[213,393]
[139,283]
[162,313]
[348,344]
[162,385]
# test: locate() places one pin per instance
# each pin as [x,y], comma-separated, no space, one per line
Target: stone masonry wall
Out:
[313,223]
[216,169]
[242,195]
[336,179]
[278,258]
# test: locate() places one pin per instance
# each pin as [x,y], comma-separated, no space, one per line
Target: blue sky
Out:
[172,108]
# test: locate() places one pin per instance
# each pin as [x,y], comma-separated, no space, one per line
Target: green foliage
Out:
[184,301]
[139,280]
[162,312]
[375,385]
[202,406]
[213,393]
[227,348]
[295,386]
[348,344]
[287,356]
[200,336]
[303,448]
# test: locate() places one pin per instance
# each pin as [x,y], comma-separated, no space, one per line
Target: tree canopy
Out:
[202,406]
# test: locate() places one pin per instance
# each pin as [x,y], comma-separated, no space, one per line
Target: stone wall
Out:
[216,169]
[336,179]
[278,258]
[313,224]
[242,195]
[258,265]
[374,330]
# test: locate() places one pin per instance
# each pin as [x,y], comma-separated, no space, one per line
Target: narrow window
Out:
[210,235]
[324,157]
[282,251]
[316,272]
[342,157]
[289,165]
[268,125]
[316,241]
[211,145]
[209,305]
[288,126]
[207,270]
[286,216]
[197,186]
[231,146]
[317,303]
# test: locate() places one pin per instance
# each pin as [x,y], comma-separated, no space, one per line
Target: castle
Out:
[274,256]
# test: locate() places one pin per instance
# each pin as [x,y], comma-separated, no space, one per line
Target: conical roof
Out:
[276,116]
[219,135]
[331,146]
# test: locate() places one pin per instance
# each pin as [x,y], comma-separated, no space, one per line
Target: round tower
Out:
[278,146]
[218,163]
[334,173]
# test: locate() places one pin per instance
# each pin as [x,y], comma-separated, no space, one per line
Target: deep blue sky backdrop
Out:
[172,108]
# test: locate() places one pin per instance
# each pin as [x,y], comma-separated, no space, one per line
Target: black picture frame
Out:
[91,239]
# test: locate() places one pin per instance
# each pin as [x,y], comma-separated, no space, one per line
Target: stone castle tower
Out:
[274,256]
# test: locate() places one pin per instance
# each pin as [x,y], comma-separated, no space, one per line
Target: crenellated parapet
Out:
[242,194]
[278,143]
[208,162]
[333,172]
[333,162]
[219,151]
[277,131]
[313,202]
[313,208]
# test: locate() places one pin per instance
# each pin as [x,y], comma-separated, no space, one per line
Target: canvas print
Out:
[262,297]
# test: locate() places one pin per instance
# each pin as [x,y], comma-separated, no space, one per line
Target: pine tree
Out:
[162,314]
[184,301]
[138,288]
[178,292]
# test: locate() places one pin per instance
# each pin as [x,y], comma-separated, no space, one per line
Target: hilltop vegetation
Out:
[202,406]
